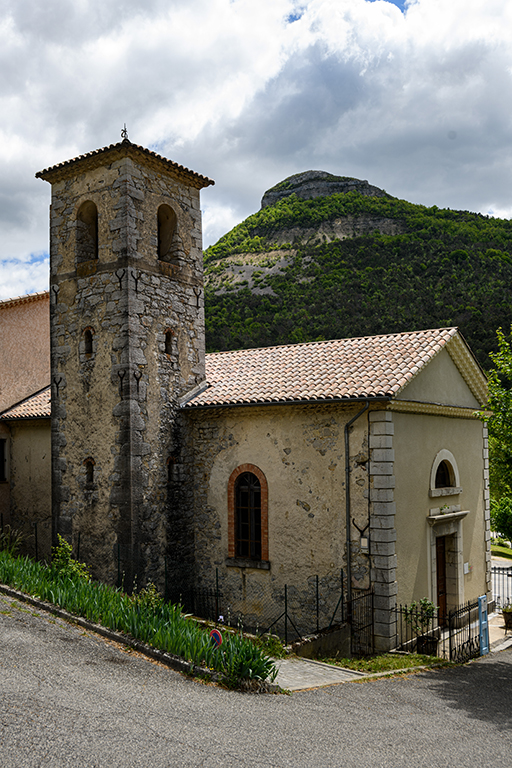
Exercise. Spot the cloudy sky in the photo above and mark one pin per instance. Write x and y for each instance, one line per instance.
(413, 96)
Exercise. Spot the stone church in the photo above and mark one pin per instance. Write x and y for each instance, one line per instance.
(357, 462)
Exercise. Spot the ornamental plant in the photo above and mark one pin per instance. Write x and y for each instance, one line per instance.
(419, 615)
(10, 540)
(63, 563)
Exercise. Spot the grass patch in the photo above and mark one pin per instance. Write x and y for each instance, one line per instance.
(501, 551)
(271, 645)
(386, 662)
(144, 616)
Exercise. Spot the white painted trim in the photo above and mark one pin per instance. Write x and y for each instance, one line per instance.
(445, 455)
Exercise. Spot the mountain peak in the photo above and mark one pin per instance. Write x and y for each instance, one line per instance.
(310, 184)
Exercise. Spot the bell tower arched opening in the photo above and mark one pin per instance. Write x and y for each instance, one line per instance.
(87, 232)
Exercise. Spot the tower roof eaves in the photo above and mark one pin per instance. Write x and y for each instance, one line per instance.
(123, 148)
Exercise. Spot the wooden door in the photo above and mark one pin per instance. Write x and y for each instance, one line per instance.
(441, 575)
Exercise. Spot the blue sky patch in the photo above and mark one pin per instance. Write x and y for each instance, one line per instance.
(399, 3)
(295, 16)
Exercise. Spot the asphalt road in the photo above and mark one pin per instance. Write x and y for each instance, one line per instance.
(69, 698)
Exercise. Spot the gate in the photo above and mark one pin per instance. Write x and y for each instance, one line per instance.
(464, 632)
(360, 616)
(455, 636)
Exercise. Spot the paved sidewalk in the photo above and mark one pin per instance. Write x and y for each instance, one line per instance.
(300, 674)
(499, 639)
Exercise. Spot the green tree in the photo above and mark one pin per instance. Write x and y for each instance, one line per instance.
(500, 420)
(500, 435)
(501, 516)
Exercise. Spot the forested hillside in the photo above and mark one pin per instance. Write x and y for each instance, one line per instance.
(353, 265)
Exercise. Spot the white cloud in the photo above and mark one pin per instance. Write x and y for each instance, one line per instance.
(415, 100)
(19, 277)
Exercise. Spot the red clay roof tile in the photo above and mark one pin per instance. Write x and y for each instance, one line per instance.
(34, 407)
(371, 366)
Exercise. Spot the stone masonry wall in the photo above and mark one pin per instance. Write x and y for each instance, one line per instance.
(116, 407)
(300, 451)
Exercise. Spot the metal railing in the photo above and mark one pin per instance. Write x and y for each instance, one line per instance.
(502, 585)
(454, 636)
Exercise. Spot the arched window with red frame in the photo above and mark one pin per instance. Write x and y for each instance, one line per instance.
(248, 514)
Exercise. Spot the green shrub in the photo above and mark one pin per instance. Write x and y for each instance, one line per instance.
(242, 659)
(63, 563)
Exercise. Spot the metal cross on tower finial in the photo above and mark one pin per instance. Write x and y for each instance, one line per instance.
(124, 133)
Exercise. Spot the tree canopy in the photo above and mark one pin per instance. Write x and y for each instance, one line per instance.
(500, 435)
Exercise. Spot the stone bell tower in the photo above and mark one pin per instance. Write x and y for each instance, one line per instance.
(127, 341)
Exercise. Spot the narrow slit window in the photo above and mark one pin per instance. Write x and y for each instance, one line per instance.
(88, 342)
(89, 471)
(168, 342)
(171, 461)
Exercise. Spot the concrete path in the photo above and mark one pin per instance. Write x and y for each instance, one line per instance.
(300, 674)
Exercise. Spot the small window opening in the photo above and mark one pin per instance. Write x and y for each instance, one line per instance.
(248, 516)
(171, 461)
(444, 476)
(3, 461)
(168, 342)
(168, 240)
(87, 232)
(88, 342)
(89, 471)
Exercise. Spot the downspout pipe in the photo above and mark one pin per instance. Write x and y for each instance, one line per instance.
(347, 506)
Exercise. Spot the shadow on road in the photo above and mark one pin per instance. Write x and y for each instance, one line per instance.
(482, 689)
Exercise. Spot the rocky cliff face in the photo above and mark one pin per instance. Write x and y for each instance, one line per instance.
(310, 184)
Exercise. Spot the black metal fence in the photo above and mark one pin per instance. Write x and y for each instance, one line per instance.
(290, 611)
(502, 585)
(454, 636)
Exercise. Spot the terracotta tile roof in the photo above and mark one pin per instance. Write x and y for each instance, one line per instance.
(34, 407)
(26, 299)
(371, 366)
(121, 149)
(366, 367)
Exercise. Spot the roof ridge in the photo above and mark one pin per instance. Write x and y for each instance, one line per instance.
(453, 328)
